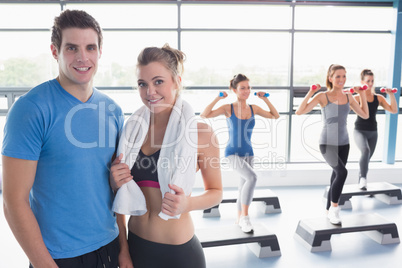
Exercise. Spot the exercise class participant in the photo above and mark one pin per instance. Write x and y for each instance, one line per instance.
(365, 132)
(239, 150)
(334, 139)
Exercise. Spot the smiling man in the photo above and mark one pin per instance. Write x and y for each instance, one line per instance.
(59, 140)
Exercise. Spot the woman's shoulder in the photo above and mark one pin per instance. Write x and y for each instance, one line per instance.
(205, 133)
(321, 98)
(228, 105)
(203, 127)
(207, 140)
(227, 109)
(379, 97)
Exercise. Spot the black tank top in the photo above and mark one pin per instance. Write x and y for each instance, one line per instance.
(144, 170)
(369, 124)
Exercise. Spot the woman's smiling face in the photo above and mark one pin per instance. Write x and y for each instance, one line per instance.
(338, 79)
(156, 86)
(243, 90)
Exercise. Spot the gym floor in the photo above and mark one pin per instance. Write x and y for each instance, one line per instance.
(348, 250)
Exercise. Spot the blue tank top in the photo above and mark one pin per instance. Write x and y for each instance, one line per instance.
(240, 131)
(334, 119)
(369, 124)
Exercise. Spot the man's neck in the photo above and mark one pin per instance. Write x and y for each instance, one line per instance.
(81, 92)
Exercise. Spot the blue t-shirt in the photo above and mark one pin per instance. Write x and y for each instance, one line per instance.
(240, 131)
(73, 143)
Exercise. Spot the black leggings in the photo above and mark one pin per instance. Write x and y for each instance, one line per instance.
(148, 254)
(366, 141)
(336, 157)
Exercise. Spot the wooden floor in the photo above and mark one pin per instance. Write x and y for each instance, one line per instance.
(348, 250)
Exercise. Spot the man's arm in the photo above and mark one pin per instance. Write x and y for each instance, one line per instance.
(18, 178)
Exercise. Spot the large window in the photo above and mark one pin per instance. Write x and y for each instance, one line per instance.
(128, 28)
(282, 46)
(120, 51)
(315, 52)
(343, 18)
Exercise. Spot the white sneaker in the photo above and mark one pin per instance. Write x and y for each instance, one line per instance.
(245, 224)
(333, 215)
(363, 183)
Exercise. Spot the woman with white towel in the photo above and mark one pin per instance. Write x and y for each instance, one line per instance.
(239, 150)
(161, 149)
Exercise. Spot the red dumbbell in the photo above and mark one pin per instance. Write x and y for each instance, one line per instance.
(314, 87)
(383, 89)
(350, 90)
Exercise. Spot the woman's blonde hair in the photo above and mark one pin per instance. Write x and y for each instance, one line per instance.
(171, 58)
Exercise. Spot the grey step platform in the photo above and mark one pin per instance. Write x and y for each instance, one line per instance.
(316, 233)
(262, 242)
(269, 202)
(383, 191)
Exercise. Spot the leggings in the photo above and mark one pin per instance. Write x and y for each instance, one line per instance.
(148, 254)
(336, 157)
(366, 142)
(243, 165)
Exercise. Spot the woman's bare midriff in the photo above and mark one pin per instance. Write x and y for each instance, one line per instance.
(153, 228)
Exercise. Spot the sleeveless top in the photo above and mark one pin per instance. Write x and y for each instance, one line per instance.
(144, 170)
(369, 124)
(240, 131)
(334, 118)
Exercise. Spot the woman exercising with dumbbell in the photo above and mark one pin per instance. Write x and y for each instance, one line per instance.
(365, 132)
(334, 140)
(239, 151)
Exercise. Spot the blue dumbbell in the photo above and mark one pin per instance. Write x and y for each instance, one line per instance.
(221, 94)
(265, 95)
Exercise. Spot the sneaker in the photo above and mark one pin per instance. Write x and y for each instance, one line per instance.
(245, 224)
(363, 183)
(333, 215)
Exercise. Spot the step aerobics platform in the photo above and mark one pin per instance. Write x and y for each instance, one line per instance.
(269, 202)
(383, 191)
(316, 233)
(261, 242)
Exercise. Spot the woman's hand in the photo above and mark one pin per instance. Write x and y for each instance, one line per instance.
(315, 87)
(359, 90)
(119, 173)
(389, 91)
(175, 204)
(222, 95)
(261, 94)
(125, 260)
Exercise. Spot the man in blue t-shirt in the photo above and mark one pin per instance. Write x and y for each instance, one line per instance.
(59, 140)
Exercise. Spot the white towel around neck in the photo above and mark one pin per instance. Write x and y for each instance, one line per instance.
(177, 160)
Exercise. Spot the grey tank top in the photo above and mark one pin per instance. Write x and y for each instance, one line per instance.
(334, 119)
